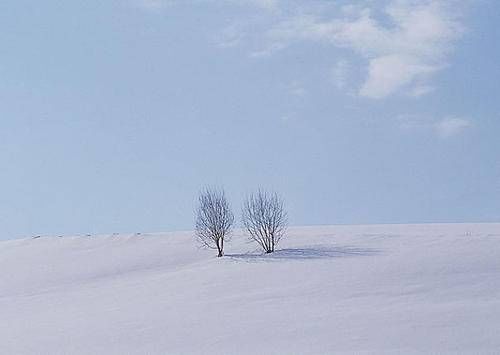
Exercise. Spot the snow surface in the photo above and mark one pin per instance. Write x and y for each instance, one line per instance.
(333, 289)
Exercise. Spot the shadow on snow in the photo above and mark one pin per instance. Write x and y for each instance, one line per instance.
(307, 253)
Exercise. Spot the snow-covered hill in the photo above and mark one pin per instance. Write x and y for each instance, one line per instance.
(339, 289)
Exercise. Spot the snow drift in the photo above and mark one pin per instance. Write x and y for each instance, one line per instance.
(351, 289)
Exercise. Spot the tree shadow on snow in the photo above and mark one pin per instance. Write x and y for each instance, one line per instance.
(307, 253)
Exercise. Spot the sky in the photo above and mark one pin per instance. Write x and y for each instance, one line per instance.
(114, 114)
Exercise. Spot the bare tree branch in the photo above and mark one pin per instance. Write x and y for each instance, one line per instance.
(265, 219)
(214, 219)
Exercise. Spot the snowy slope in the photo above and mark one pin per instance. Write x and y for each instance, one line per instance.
(339, 289)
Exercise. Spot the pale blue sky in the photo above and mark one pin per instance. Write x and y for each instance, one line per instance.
(115, 113)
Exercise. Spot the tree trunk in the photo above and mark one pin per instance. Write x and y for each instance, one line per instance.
(220, 247)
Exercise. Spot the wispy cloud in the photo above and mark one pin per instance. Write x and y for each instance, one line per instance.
(339, 73)
(151, 5)
(295, 88)
(403, 43)
(451, 126)
(265, 4)
(231, 36)
(421, 89)
(444, 128)
(270, 5)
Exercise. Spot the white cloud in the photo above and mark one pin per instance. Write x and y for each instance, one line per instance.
(387, 74)
(451, 126)
(402, 52)
(404, 43)
(446, 127)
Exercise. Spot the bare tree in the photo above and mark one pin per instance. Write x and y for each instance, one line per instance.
(214, 219)
(265, 218)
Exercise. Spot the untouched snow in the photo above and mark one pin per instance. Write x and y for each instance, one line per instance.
(339, 289)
